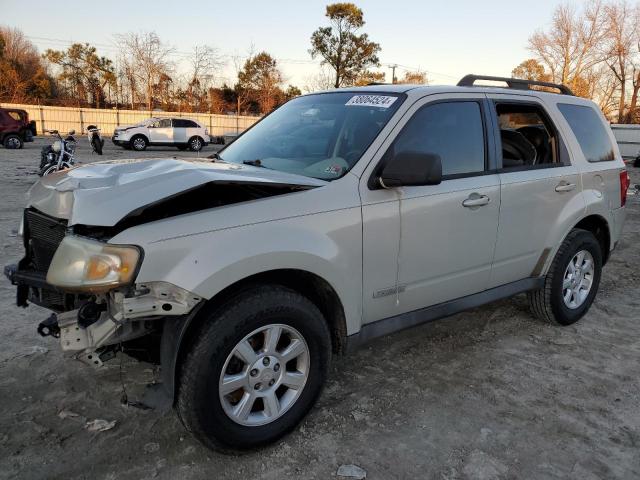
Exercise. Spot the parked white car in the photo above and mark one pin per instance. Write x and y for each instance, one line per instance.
(340, 217)
(182, 133)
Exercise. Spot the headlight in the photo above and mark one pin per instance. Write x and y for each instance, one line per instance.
(88, 265)
(56, 146)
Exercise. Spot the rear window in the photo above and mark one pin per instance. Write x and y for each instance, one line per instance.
(587, 126)
(180, 123)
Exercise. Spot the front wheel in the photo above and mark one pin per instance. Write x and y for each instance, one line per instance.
(572, 282)
(139, 143)
(255, 369)
(13, 141)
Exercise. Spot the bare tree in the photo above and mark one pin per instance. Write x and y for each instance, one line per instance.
(417, 77)
(146, 58)
(568, 49)
(621, 33)
(322, 80)
(204, 62)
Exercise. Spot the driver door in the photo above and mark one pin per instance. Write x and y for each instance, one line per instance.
(161, 131)
(425, 245)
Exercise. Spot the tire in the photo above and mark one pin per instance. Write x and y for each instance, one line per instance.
(196, 144)
(96, 144)
(200, 405)
(636, 162)
(13, 142)
(138, 143)
(549, 303)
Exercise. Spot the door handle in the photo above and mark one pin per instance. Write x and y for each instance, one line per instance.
(476, 200)
(565, 187)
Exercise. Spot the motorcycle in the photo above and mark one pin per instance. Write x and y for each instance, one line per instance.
(59, 155)
(95, 140)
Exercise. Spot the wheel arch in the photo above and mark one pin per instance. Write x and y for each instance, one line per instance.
(177, 335)
(146, 139)
(599, 227)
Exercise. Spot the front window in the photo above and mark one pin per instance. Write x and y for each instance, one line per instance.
(320, 136)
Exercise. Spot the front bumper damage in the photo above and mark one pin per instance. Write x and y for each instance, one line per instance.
(93, 332)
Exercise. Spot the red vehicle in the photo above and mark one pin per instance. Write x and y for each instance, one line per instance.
(15, 128)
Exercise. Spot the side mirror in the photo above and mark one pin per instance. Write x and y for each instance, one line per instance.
(411, 169)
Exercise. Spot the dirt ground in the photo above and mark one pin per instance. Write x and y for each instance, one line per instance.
(491, 393)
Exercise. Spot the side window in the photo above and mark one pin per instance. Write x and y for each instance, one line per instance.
(452, 130)
(528, 137)
(589, 131)
(15, 115)
(190, 124)
(165, 123)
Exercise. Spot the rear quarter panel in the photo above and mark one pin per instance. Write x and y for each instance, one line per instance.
(600, 181)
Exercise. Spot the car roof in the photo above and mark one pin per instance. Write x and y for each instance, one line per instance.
(421, 90)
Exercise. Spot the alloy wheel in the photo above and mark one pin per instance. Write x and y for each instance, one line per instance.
(13, 142)
(264, 375)
(578, 279)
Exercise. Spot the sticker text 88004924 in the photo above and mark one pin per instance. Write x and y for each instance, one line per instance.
(383, 101)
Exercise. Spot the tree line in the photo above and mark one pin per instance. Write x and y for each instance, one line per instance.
(593, 49)
(143, 75)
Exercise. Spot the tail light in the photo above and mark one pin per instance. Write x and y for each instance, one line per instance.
(625, 182)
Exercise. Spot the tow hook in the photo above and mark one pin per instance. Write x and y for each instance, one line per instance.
(49, 327)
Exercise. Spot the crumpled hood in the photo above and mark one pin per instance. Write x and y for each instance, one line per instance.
(103, 193)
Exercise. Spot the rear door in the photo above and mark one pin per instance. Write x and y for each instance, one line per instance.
(429, 244)
(161, 131)
(541, 191)
(180, 134)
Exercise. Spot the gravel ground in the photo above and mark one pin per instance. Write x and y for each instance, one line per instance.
(490, 393)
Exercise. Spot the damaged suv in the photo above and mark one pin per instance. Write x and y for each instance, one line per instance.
(340, 217)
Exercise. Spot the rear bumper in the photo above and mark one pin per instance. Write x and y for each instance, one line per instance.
(619, 215)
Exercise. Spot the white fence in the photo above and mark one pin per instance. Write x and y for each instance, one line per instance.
(65, 119)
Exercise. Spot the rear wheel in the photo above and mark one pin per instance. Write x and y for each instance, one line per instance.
(195, 144)
(138, 143)
(13, 141)
(255, 369)
(572, 282)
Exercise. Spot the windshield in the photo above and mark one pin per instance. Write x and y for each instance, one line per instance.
(320, 136)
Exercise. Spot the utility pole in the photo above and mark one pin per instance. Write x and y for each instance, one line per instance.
(393, 72)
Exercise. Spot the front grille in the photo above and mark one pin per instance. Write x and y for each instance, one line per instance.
(43, 234)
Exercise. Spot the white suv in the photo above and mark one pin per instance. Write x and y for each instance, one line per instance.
(340, 217)
(168, 132)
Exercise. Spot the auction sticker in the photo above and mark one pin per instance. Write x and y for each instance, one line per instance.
(384, 101)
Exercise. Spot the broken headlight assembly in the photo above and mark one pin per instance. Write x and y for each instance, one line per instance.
(82, 264)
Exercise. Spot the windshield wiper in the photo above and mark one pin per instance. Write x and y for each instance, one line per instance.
(254, 163)
(214, 156)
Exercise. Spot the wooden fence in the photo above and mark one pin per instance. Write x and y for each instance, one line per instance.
(65, 119)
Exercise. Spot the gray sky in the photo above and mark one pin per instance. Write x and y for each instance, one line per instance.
(446, 39)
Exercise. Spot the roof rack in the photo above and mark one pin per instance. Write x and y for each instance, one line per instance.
(515, 83)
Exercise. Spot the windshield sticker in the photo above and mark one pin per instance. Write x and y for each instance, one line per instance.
(383, 101)
(333, 169)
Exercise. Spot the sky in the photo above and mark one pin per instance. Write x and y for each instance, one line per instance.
(447, 39)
